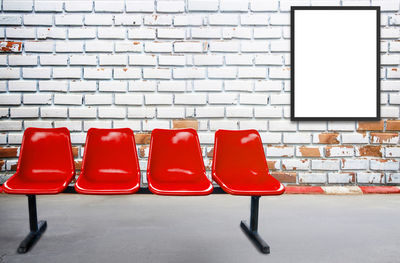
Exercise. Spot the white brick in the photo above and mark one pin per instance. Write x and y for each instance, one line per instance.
(297, 137)
(117, 113)
(133, 125)
(99, 46)
(141, 33)
(394, 99)
(210, 112)
(222, 98)
(81, 6)
(128, 46)
(127, 73)
(390, 59)
(156, 73)
(286, 4)
(43, 46)
(83, 60)
(36, 73)
(98, 20)
(20, 85)
(252, 72)
(70, 125)
(189, 73)
(238, 85)
(223, 19)
(128, 99)
(21, 5)
(295, 164)
(253, 99)
(82, 113)
(98, 99)
(140, 85)
(170, 112)
(390, 32)
(139, 6)
(113, 60)
(370, 178)
(239, 59)
(158, 20)
(207, 85)
(387, 5)
(128, 20)
(70, 46)
(261, 5)
(151, 125)
(354, 138)
(237, 32)
(170, 6)
(86, 32)
(188, 20)
(53, 85)
(111, 33)
(10, 20)
(158, 47)
(258, 125)
(48, 6)
(68, 99)
(341, 126)
(223, 124)
(55, 60)
(113, 86)
(312, 178)
(109, 6)
(37, 98)
(141, 112)
(206, 32)
(79, 86)
(282, 125)
(388, 164)
(67, 73)
(389, 112)
(10, 125)
(9, 73)
(203, 5)
(268, 112)
(22, 60)
(173, 60)
(354, 164)
(154, 99)
(279, 151)
(280, 46)
(143, 60)
(172, 85)
(279, 73)
(97, 73)
(24, 112)
(10, 99)
(392, 152)
(254, 20)
(171, 33)
(20, 33)
(267, 32)
(339, 151)
(191, 99)
(96, 124)
(222, 73)
(239, 112)
(255, 46)
(233, 5)
(267, 85)
(68, 20)
(279, 99)
(15, 138)
(189, 46)
(51, 33)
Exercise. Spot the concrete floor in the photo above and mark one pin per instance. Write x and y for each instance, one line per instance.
(149, 228)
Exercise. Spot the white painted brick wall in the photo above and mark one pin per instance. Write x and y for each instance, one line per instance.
(225, 63)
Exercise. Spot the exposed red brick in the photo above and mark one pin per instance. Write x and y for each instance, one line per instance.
(383, 137)
(393, 125)
(78, 165)
(142, 151)
(285, 177)
(13, 167)
(328, 138)
(142, 138)
(370, 150)
(10, 46)
(2, 162)
(309, 151)
(75, 151)
(8, 151)
(271, 164)
(179, 124)
(210, 152)
(370, 125)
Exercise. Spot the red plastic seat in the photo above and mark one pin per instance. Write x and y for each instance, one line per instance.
(240, 166)
(45, 165)
(175, 165)
(110, 163)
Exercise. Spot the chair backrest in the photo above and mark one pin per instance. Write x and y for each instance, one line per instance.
(110, 151)
(238, 151)
(175, 151)
(46, 150)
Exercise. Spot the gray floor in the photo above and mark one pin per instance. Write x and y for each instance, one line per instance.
(149, 228)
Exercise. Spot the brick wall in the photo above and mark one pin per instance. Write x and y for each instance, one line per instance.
(206, 64)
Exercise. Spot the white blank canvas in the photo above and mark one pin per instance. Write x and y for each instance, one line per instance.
(335, 62)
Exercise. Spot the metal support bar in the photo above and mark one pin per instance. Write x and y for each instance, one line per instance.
(252, 230)
(36, 229)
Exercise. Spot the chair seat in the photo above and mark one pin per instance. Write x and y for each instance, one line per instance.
(106, 184)
(44, 183)
(172, 183)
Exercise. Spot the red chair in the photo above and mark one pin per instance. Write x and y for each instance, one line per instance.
(175, 165)
(45, 166)
(110, 163)
(240, 168)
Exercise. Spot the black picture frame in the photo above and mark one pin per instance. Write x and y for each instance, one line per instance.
(293, 116)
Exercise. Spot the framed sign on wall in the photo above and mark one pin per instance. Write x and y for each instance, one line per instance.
(335, 63)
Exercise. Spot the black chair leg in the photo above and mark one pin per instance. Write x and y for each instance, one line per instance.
(252, 230)
(36, 229)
